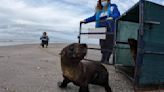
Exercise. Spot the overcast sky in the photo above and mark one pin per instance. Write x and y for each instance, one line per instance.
(60, 15)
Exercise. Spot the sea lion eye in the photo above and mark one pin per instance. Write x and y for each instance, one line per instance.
(71, 48)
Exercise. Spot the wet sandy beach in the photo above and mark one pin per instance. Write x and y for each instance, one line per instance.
(30, 68)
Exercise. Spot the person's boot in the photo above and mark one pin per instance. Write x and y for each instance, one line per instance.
(108, 56)
(42, 45)
(46, 44)
(104, 58)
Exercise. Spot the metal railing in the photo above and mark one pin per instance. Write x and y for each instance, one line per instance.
(93, 33)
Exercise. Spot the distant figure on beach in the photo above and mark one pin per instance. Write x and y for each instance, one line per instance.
(44, 39)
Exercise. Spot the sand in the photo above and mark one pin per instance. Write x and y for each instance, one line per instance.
(30, 68)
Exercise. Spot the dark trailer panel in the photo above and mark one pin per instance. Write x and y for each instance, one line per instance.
(145, 23)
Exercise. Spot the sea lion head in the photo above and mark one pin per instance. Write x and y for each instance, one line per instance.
(133, 47)
(74, 51)
(132, 42)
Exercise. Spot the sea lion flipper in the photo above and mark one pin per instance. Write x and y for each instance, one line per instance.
(64, 83)
(84, 89)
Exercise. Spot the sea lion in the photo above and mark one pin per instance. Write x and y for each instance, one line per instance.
(133, 48)
(81, 73)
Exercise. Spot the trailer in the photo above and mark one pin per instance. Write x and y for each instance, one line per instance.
(145, 23)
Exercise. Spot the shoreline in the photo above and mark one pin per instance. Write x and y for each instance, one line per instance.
(3, 44)
(21, 43)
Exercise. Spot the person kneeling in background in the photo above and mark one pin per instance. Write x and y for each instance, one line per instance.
(45, 39)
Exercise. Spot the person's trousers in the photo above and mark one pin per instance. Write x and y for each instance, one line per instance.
(106, 48)
(44, 43)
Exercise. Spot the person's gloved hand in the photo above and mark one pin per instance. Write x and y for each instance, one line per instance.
(109, 18)
(82, 21)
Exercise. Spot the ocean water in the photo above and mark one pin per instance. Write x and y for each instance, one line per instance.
(26, 36)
